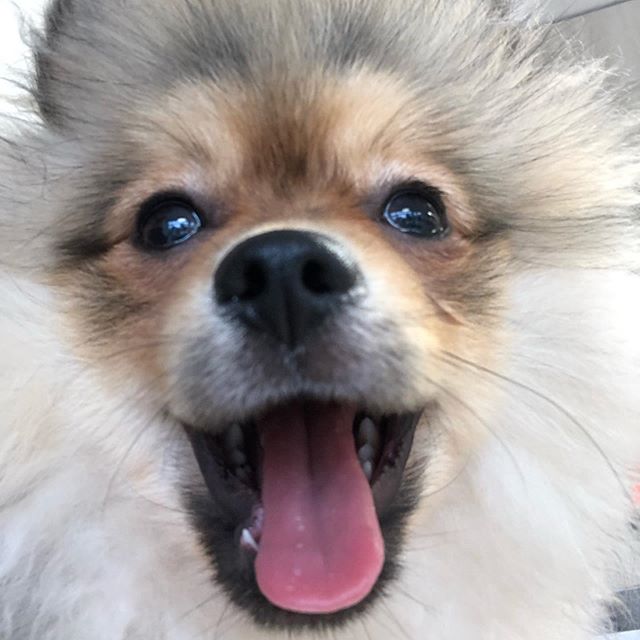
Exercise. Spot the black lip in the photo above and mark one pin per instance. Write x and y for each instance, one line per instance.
(228, 506)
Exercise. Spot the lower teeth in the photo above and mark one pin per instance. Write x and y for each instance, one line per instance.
(248, 541)
(366, 453)
(368, 442)
(368, 433)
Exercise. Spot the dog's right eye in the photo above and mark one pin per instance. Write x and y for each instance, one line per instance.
(417, 210)
(167, 223)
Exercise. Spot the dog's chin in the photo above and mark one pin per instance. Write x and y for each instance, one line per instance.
(304, 508)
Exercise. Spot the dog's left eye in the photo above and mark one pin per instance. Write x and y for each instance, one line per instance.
(417, 211)
(168, 223)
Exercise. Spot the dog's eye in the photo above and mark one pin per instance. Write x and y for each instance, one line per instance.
(417, 211)
(168, 223)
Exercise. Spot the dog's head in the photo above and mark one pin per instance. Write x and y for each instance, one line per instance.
(289, 227)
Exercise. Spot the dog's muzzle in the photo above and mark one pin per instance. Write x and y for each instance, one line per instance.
(303, 486)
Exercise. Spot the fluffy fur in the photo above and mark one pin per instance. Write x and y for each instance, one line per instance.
(524, 521)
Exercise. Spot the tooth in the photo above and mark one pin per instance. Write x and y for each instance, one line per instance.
(247, 540)
(367, 467)
(234, 438)
(366, 453)
(368, 433)
(237, 458)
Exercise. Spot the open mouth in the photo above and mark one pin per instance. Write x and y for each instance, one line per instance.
(307, 485)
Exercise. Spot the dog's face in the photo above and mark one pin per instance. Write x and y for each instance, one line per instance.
(290, 246)
(289, 277)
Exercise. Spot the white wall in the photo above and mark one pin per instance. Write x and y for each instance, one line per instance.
(612, 32)
(568, 8)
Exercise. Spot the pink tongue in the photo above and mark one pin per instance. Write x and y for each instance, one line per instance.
(321, 548)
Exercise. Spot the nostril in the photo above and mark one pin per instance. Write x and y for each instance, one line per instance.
(256, 280)
(241, 281)
(327, 276)
(315, 278)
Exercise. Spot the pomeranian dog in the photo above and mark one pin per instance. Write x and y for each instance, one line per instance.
(318, 317)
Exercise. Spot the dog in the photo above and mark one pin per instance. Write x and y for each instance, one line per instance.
(319, 318)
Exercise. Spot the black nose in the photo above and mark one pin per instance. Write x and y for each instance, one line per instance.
(284, 283)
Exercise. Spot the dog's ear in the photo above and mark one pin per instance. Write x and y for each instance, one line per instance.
(95, 59)
(59, 25)
(85, 58)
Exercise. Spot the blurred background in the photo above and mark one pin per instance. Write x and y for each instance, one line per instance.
(12, 48)
(608, 28)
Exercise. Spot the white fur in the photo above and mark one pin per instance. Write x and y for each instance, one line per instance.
(519, 545)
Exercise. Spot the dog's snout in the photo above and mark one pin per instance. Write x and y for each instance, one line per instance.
(284, 283)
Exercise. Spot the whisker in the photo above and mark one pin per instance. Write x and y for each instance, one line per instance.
(196, 608)
(486, 426)
(551, 402)
(394, 618)
(411, 597)
(148, 425)
(365, 628)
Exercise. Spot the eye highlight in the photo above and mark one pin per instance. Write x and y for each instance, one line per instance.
(417, 210)
(167, 222)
